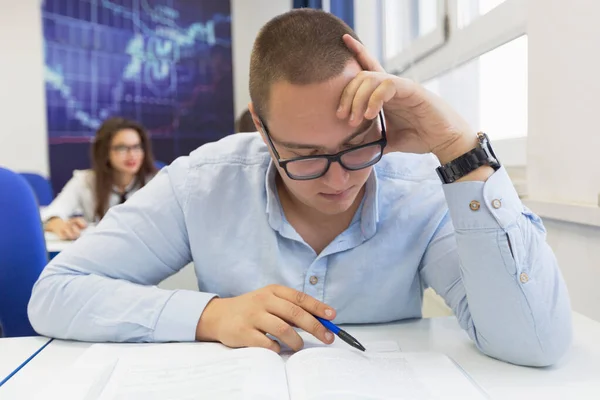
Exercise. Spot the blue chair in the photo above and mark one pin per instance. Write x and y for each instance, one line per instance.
(159, 164)
(22, 252)
(41, 186)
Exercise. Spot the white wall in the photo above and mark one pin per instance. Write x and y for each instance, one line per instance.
(564, 138)
(23, 137)
(248, 17)
(564, 102)
(367, 24)
(577, 248)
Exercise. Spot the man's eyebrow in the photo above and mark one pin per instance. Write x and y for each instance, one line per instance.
(363, 128)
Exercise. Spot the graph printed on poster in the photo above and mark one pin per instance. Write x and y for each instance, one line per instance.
(164, 63)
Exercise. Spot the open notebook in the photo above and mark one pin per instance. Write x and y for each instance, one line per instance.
(184, 371)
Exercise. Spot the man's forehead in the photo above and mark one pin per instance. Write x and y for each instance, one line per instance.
(295, 138)
(304, 99)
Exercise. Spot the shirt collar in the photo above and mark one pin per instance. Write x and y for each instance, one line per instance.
(132, 185)
(368, 212)
(273, 209)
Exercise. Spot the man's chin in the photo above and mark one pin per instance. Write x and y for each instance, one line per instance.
(334, 208)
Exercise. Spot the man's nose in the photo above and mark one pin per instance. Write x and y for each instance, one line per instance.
(337, 176)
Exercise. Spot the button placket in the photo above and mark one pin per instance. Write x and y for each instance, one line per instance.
(314, 280)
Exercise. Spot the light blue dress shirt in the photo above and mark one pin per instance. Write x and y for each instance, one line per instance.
(219, 208)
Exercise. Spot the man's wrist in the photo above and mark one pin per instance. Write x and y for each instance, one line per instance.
(457, 149)
(206, 327)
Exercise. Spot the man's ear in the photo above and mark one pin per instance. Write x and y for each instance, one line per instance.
(256, 121)
(255, 118)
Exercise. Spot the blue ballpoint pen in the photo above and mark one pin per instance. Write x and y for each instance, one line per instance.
(342, 334)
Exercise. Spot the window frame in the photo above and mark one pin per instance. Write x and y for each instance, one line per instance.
(421, 46)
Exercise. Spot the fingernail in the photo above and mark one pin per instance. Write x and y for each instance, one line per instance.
(339, 110)
(328, 336)
(329, 312)
(352, 117)
(367, 112)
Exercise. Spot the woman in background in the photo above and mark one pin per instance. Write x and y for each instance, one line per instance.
(122, 163)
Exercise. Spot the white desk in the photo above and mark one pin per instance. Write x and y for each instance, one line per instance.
(54, 244)
(14, 351)
(576, 377)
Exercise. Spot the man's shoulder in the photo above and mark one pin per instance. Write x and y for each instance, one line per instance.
(238, 149)
(408, 167)
(410, 190)
(239, 159)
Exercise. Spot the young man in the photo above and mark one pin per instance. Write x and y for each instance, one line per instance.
(307, 218)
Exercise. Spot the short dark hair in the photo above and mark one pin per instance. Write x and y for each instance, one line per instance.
(302, 46)
(245, 123)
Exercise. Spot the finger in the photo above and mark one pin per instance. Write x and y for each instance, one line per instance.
(79, 222)
(259, 339)
(348, 94)
(298, 316)
(277, 327)
(305, 301)
(65, 233)
(362, 98)
(62, 233)
(381, 95)
(69, 232)
(366, 61)
(75, 231)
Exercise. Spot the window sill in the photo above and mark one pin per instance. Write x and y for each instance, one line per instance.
(574, 213)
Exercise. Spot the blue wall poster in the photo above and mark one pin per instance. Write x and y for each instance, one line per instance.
(164, 63)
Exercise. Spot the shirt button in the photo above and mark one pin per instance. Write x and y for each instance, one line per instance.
(496, 204)
(474, 205)
(313, 280)
(524, 278)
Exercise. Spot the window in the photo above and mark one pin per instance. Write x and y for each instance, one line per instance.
(470, 10)
(479, 88)
(471, 52)
(412, 29)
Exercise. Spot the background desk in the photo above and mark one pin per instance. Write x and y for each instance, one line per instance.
(577, 376)
(14, 351)
(54, 244)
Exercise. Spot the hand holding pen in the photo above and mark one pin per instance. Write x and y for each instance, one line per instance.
(245, 320)
(342, 334)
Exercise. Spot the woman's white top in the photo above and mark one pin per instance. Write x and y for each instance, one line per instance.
(78, 198)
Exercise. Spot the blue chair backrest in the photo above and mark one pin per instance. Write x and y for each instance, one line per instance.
(22, 252)
(159, 164)
(41, 186)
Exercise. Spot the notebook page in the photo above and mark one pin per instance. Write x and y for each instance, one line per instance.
(374, 346)
(327, 374)
(237, 374)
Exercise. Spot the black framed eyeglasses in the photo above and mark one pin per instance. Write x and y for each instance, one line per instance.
(312, 167)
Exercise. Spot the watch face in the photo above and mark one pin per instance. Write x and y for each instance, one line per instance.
(484, 142)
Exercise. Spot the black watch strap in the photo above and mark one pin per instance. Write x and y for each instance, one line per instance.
(470, 161)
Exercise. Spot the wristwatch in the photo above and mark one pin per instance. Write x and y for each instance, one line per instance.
(481, 155)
